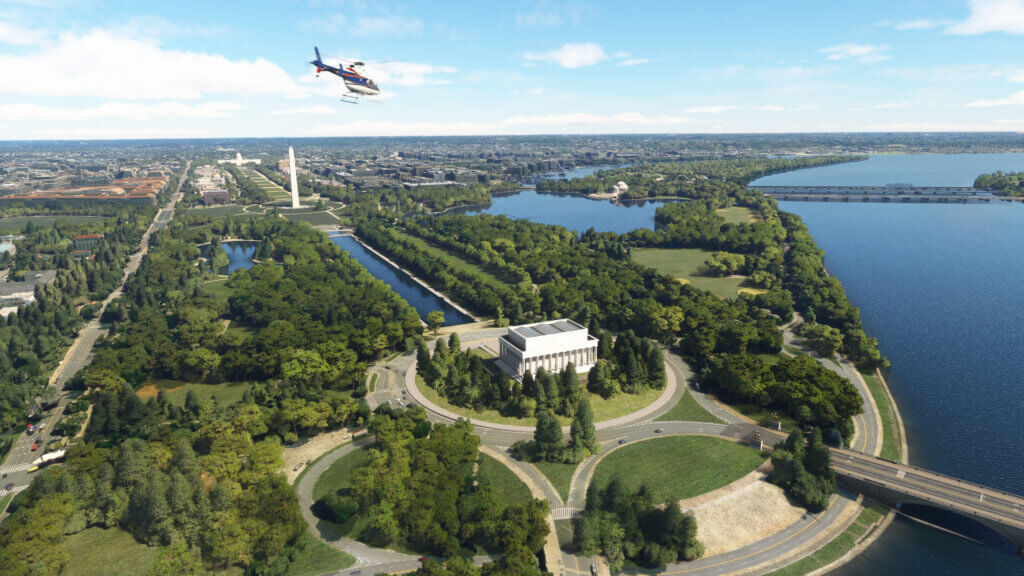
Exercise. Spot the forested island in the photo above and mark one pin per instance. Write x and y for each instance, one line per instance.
(1002, 183)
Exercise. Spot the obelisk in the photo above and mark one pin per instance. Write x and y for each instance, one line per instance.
(295, 181)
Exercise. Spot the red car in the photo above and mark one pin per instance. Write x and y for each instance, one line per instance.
(35, 447)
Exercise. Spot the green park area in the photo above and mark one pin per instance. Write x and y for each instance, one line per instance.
(678, 467)
(559, 474)
(890, 434)
(838, 547)
(687, 265)
(310, 216)
(687, 410)
(277, 193)
(739, 215)
(457, 262)
(506, 486)
(604, 409)
(226, 394)
(16, 224)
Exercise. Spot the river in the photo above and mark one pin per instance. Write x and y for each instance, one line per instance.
(942, 288)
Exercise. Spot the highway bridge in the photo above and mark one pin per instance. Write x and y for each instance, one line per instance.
(895, 484)
(889, 193)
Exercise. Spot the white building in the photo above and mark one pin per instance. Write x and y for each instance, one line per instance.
(550, 345)
(239, 161)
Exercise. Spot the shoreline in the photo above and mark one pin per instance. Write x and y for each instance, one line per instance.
(426, 286)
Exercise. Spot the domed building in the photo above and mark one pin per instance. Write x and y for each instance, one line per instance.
(620, 187)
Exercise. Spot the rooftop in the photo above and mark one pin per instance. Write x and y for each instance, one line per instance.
(546, 328)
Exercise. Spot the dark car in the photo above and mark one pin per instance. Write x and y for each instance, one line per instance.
(9, 486)
(658, 430)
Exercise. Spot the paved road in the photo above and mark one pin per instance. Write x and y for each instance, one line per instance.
(15, 468)
(397, 384)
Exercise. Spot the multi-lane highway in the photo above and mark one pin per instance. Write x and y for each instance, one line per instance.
(15, 468)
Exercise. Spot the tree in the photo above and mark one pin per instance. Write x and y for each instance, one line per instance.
(582, 435)
(435, 320)
(548, 436)
(30, 540)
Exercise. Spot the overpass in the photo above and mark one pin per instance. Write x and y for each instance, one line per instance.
(894, 484)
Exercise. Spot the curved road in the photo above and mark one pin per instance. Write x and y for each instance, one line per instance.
(397, 385)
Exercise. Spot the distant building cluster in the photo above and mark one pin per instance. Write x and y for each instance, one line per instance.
(130, 190)
(20, 293)
(239, 161)
(210, 184)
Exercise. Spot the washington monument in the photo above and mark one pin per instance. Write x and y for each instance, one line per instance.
(295, 181)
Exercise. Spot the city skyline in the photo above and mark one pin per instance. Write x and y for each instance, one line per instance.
(96, 70)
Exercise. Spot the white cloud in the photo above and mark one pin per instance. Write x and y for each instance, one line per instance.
(992, 16)
(310, 110)
(1017, 76)
(390, 128)
(922, 24)
(368, 26)
(545, 14)
(593, 120)
(108, 65)
(1015, 99)
(852, 50)
(396, 73)
(136, 111)
(571, 55)
(16, 34)
(779, 108)
(712, 109)
(634, 61)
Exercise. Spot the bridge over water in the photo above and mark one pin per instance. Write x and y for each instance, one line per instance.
(887, 193)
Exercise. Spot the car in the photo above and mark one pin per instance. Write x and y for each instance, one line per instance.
(593, 569)
(33, 469)
(35, 447)
(622, 441)
(422, 558)
(31, 428)
(9, 486)
(658, 430)
(42, 425)
(297, 466)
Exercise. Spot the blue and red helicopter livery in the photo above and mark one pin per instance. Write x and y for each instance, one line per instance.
(356, 83)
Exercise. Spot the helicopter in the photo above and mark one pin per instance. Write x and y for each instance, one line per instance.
(355, 82)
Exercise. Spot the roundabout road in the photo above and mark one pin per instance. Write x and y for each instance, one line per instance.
(397, 384)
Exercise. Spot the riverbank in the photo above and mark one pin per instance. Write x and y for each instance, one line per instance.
(414, 278)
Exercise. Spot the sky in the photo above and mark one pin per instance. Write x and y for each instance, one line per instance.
(94, 69)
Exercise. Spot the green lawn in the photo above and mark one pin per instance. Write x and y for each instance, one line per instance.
(560, 476)
(317, 557)
(216, 212)
(507, 488)
(217, 289)
(765, 416)
(226, 394)
(372, 384)
(314, 218)
(890, 444)
(678, 467)
(457, 262)
(618, 405)
(838, 547)
(687, 410)
(16, 224)
(98, 552)
(340, 474)
(687, 265)
(739, 215)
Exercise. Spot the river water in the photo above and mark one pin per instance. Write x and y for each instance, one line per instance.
(942, 288)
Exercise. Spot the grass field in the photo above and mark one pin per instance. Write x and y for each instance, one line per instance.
(317, 557)
(678, 467)
(507, 488)
(98, 552)
(226, 394)
(16, 224)
(314, 218)
(687, 264)
(739, 215)
(277, 193)
(838, 547)
(340, 474)
(560, 476)
(216, 211)
(618, 405)
(687, 410)
(457, 262)
(217, 289)
(765, 416)
(890, 443)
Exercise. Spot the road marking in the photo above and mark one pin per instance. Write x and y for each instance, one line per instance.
(14, 468)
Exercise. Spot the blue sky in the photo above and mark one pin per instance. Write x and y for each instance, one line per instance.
(80, 69)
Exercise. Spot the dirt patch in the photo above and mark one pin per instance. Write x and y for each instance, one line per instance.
(750, 513)
(296, 457)
(152, 390)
